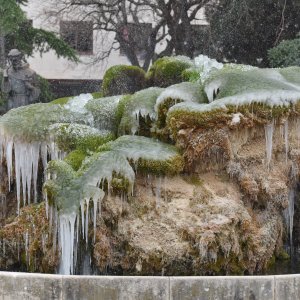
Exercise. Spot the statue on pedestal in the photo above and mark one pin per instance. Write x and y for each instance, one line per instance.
(19, 84)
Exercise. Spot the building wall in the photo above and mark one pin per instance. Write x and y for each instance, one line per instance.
(50, 67)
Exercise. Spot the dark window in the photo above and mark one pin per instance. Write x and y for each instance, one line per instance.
(137, 35)
(78, 34)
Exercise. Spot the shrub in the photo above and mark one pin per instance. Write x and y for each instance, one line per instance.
(122, 79)
(167, 71)
(286, 54)
(46, 94)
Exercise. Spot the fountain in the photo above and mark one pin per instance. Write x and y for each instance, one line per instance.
(191, 179)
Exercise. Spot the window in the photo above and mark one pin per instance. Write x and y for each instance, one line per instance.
(78, 34)
(137, 35)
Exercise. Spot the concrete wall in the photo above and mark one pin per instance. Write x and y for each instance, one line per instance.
(23, 286)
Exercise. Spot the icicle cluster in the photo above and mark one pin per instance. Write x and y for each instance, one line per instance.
(22, 159)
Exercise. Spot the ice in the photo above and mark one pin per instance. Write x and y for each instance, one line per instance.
(184, 91)
(67, 236)
(103, 111)
(206, 65)
(269, 128)
(286, 139)
(139, 105)
(289, 215)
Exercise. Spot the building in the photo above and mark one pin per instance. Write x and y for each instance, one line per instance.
(79, 32)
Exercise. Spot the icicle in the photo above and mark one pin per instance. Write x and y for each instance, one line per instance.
(95, 202)
(67, 230)
(158, 191)
(286, 139)
(46, 204)
(9, 153)
(269, 128)
(26, 238)
(289, 215)
(87, 201)
(55, 216)
(82, 216)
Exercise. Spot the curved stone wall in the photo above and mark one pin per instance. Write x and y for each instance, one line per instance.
(21, 286)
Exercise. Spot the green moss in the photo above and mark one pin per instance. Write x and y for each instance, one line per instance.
(69, 137)
(221, 116)
(193, 179)
(191, 75)
(123, 79)
(283, 255)
(138, 112)
(75, 159)
(32, 122)
(104, 111)
(97, 95)
(167, 71)
(148, 155)
(61, 101)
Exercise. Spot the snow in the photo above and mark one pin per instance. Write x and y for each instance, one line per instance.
(236, 119)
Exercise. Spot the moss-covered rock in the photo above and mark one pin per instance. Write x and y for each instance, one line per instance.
(104, 112)
(123, 79)
(137, 112)
(168, 70)
(69, 137)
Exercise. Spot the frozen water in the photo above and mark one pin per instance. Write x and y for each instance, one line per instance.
(269, 128)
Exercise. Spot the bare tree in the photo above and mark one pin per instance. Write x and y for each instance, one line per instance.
(171, 22)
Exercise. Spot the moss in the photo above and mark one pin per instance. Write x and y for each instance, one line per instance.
(224, 266)
(271, 262)
(167, 71)
(61, 101)
(97, 95)
(193, 179)
(191, 75)
(138, 112)
(104, 111)
(283, 255)
(69, 137)
(148, 155)
(121, 108)
(75, 159)
(123, 79)
(219, 117)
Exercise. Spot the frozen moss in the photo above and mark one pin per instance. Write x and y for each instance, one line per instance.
(148, 154)
(181, 92)
(259, 94)
(69, 137)
(123, 79)
(32, 122)
(61, 101)
(167, 70)
(138, 110)
(75, 159)
(104, 112)
(191, 75)
(252, 84)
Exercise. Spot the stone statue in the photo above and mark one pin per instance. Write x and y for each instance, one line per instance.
(19, 84)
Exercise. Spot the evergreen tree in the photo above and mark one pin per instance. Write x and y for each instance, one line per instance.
(16, 32)
(243, 31)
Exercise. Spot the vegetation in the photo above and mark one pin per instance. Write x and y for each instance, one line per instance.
(286, 54)
(16, 32)
(244, 31)
(122, 79)
(167, 71)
